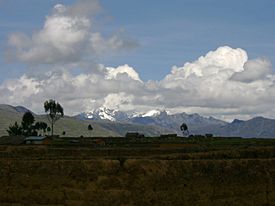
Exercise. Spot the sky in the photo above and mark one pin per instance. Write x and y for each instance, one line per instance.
(197, 56)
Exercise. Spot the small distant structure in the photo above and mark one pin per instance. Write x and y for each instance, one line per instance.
(134, 135)
(37, 140)
(209, 135)
(74, 141)
(99, 142)
(167, 136)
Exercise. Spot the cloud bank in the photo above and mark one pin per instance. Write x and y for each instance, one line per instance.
(68, 35)
(223, 83)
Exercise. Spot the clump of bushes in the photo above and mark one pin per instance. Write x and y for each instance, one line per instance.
(28, 127)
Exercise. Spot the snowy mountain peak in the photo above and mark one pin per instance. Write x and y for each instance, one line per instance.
(104, 113)
(151, 113)
(156, 117)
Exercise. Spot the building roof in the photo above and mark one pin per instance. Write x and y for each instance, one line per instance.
(35, 138)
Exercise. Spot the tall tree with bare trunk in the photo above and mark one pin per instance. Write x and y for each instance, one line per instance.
(54, 111)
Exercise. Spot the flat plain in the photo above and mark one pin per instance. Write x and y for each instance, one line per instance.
(145, 171)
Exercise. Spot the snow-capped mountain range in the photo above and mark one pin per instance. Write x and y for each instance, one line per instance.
(104, 113)
(152, 123)
(197, 124)
(160, 118)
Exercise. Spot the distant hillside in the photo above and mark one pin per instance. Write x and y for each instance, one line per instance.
(122, 128)
(256, 127)
(114, 123)
(8, 115)
(197, 124)
(77, 127)
(72, 126)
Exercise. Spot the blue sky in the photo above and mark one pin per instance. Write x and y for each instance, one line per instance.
(178, 31)
(76, 52)
(168, 33)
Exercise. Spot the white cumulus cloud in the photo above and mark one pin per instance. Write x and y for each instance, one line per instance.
(114, 73)
(68, 35)
(223, 83)
(253, 70)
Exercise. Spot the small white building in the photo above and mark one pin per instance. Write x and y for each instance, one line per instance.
(37, 140)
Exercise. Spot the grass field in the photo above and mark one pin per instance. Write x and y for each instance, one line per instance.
(146, 171)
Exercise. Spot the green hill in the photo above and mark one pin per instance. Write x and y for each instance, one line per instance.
(75, 127)
(123, 128)
(72, 127)
(8, 115)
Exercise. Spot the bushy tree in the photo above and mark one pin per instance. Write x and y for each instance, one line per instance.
(41, 126)
(48, 130)
(15, 130)
(27, 126)
(54, 111)
(27, 123)
(184, 129)
(90, 128)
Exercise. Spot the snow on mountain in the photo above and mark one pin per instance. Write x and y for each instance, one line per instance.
(196, 123)
(156, 122)
(103, 113)
(151, 113)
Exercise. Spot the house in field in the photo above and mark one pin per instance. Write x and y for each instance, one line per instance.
(37, 140)
(134, 135)
(99, 142)
(168, 136)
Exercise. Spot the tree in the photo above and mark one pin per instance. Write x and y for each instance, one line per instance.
(27, 123)
(27, 127)
(90, 128)
(48, 130)
(15, 130)
(54, 112)
(37, 126)
(27, 119)
(184, 129)
(41, 126)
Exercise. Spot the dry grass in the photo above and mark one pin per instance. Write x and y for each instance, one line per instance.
(45, 175)
(138, 182)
